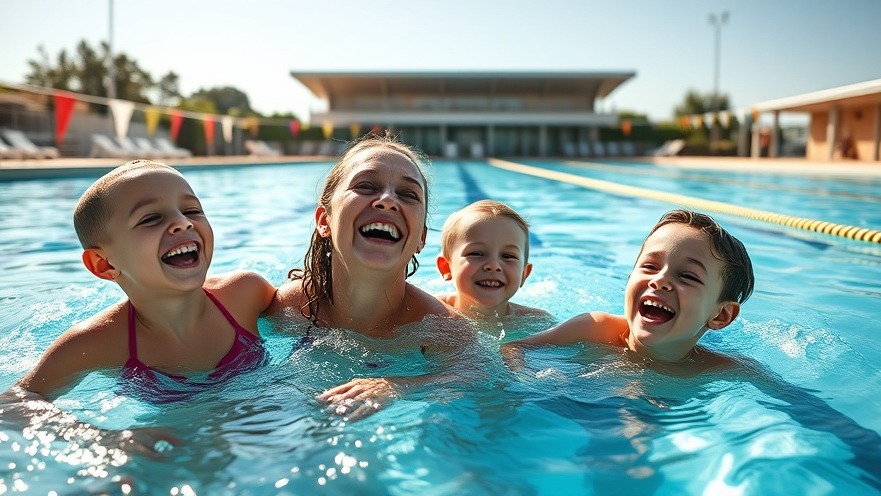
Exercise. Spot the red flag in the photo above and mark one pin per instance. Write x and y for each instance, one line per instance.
(209, 130)
(63, 111)
(176, 120)
(626, 126)
(295, 128)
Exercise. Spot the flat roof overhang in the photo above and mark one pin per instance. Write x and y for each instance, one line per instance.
(330, 85)
(853, 95)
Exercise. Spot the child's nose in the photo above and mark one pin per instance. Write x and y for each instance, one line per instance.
(181, 223)
(492, 266)
(660, 281)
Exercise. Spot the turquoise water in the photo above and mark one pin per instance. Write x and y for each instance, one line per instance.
(800, 417)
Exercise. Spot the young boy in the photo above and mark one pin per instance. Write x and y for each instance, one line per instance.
(485, 252)
(142, 227)
(690, 276)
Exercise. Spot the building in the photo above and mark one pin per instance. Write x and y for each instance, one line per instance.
(475, 114)
(845, 122)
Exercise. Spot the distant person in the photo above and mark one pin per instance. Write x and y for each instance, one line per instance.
(691, 276)
(847, 148)
(485, 253)
(370, 222)
(178, 330)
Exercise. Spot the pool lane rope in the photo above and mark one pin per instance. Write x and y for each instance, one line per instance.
(843, 231)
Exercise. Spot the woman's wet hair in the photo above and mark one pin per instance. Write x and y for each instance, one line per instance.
(316, 274)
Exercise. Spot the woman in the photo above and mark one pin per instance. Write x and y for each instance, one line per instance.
(370, 222)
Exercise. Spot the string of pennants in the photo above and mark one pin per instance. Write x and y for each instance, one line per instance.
(122, 111)
(710, 119)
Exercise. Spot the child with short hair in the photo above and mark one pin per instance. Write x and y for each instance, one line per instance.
(690, 276)
(485, 253)
(142, 227)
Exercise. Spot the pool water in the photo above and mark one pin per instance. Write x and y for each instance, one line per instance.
(799, 417)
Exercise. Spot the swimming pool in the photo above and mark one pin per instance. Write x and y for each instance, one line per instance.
(580, 420)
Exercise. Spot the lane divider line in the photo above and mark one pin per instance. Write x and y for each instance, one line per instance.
(844, 231)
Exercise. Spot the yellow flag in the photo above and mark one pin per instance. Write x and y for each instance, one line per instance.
(151, 114)
(328, 129)
(355, 129)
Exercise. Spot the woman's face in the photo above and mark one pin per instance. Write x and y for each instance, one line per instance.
(376, 215)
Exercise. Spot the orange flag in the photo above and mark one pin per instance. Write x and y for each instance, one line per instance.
(63, 111)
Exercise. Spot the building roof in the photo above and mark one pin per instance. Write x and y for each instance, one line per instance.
(852, 95)
(330, 85)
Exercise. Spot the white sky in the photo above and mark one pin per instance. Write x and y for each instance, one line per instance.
(769, 49)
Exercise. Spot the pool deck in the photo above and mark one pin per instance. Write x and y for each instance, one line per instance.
(72, 167)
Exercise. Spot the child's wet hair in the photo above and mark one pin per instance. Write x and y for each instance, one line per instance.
(317, 271)
(737, 275)
(94, 208)
(483, 208)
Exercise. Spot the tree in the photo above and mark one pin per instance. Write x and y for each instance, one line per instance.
(227, 100)
(697, 103)
(86, 72)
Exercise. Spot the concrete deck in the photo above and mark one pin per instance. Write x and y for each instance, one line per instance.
(74, 167)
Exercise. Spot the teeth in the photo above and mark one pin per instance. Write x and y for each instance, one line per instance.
(378, 226)
(181, 249)
(492, 284)
(657, 304)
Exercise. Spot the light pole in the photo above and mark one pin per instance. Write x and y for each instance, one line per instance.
(717, 23)
(111, 70)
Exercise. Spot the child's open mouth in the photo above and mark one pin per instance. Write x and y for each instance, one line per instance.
(490, 283)
(655, 312)
(185, 255)
(379, 230)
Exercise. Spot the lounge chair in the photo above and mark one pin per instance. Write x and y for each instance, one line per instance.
(144, 145)
(7, 151)
(260, 149)
(104, 147)
(598, 149)
(670, 148)
(20, 141)
(134, 150)
(613, 149)
(627, 149)
(167, 147)
(583, 149)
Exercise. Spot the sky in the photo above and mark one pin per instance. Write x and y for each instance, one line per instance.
(768, 48)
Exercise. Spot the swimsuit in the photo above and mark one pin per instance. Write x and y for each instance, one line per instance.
(247, 353)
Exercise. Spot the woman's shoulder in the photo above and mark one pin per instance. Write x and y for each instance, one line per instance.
(289, 295)
(422, 304)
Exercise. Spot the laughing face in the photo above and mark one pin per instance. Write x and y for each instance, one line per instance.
(671, 298)
(376, 215)
(158, 235)
(486, 263)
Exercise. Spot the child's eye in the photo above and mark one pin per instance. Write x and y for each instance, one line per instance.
(649, 267)
(194, 211)
(474, 254)
(691, 277)
(149, 219)
(510, 256)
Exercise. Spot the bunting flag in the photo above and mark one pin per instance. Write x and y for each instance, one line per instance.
(63, 111)
(696, 121)
(295, 128)
(725, 119)
(327, 128)
(710, 119)
(755, 114)
(208, 122)
(254, 126)
(684, 122)
(355, 129)
(122, 116)
(176, 120)
(226, 123)
(151, 115)
(626, 127)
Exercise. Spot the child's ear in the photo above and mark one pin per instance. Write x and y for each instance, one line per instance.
(321, 222)
(527, 269)
(422, 240)
(443, 265)
(727, 313)
(93, 259)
